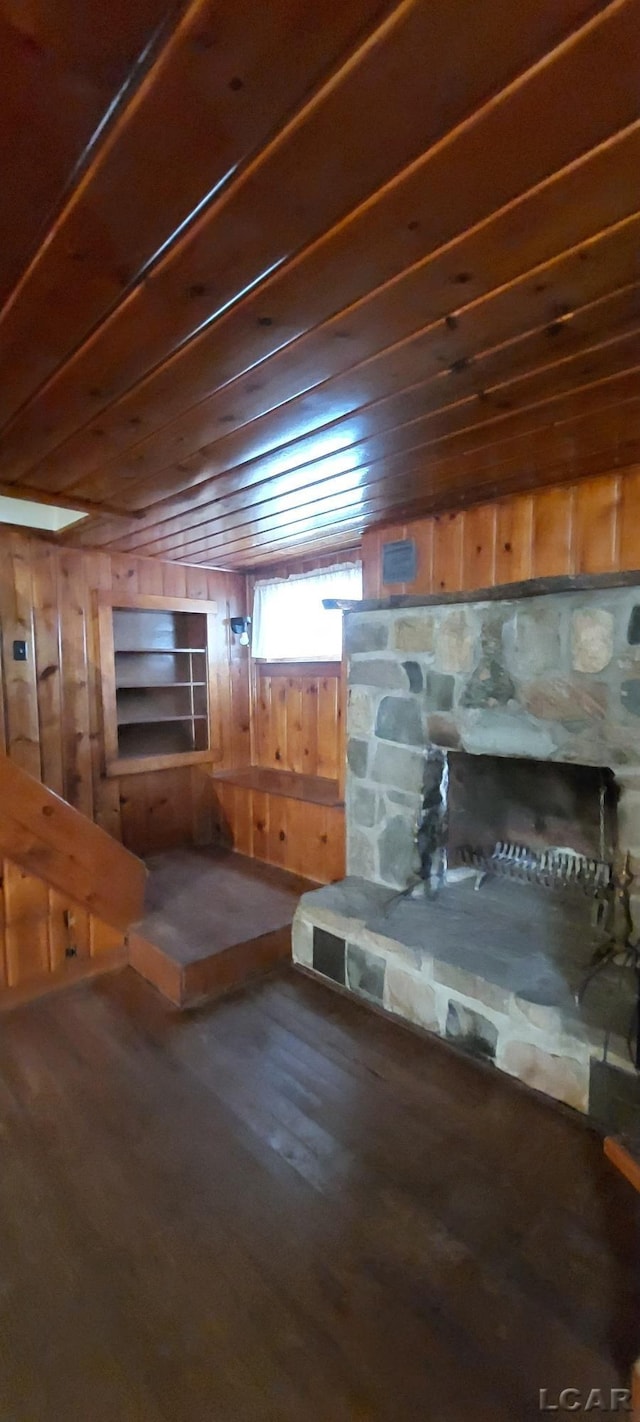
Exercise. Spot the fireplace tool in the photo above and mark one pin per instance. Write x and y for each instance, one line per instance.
(613, 917)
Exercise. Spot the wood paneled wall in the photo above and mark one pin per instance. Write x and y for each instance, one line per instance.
(292, 834)
(592, 526)
(297, 715)
(51, 715)
(297, 719)
(45, 938)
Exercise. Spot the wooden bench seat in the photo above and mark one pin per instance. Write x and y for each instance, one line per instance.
(315, 789)
(293, 821)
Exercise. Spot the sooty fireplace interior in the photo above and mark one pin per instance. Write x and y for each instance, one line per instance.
(549, 823)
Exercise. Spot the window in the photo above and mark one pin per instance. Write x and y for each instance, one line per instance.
(289, 621)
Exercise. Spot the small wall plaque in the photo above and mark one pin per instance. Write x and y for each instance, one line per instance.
(399, 561)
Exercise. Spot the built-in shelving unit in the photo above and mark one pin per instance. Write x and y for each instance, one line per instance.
(161, 686)
(156, 685)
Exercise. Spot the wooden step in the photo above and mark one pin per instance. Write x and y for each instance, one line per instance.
(214, 920)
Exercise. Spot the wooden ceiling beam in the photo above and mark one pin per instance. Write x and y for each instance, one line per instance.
(526, 120)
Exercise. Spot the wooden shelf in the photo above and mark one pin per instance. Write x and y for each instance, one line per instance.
(187, 718)
(315, 789)
(160, 687)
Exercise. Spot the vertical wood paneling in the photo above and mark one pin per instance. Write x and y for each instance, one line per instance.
(48, 656)
(553, 529)
(298, 723)
(53, 701)
(303, 838)
(76, 718)
(328, 727)
(310, 725)
(596, 525)
(479, 547)
(447, 552)
(295, 740)
(592, 526)
(514, 539)
(45, 936)
(629, 521)
(20, 687)
(26, 926)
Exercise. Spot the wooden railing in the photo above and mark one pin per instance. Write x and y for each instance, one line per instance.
(55, 843)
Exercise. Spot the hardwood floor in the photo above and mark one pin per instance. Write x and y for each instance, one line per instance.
(283, 1207)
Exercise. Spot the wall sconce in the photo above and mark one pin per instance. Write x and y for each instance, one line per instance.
(240, 628)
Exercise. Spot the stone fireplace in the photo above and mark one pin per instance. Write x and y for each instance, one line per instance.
(501, 735)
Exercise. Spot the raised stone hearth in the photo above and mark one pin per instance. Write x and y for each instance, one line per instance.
(494, 972)
(441, 698)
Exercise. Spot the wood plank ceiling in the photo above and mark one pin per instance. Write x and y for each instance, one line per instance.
(275, 272)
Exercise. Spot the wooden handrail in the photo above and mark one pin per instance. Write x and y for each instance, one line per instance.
(52, 840)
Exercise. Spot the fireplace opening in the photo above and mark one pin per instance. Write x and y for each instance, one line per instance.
(545, 821)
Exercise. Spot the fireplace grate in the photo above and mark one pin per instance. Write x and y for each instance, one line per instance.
(552, 868)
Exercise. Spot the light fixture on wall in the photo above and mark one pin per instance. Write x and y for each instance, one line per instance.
(240, 628)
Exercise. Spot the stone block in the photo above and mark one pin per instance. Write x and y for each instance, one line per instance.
(357, 756)
(564, 1078)
(397, 767)
(362, 806)
(361, 858)
(443, 731)
(471, 1031)
(364, 632)
(399, 719)
(490, 685)
(558, 699)
(302, 940)
(630, 695)
(455, 642)
(531, 641)
(440, 691)
(414, 634)
(633, 629)
(495, 733)
(416, 959)
(397, 851)
(360, 711)
(407, 799)
(378, 671)
(591, 639)
(471, 985)
(365, 973)
(414, 675)
(411, 996)
(329, 955)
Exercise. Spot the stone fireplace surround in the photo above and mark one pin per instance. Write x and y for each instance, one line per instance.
(553, 677)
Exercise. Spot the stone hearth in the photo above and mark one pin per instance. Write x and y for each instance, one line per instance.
(553, 678)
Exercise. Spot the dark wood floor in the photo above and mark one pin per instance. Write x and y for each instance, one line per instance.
(284, 1207)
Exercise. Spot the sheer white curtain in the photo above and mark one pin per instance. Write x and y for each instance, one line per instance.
(289, 621)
